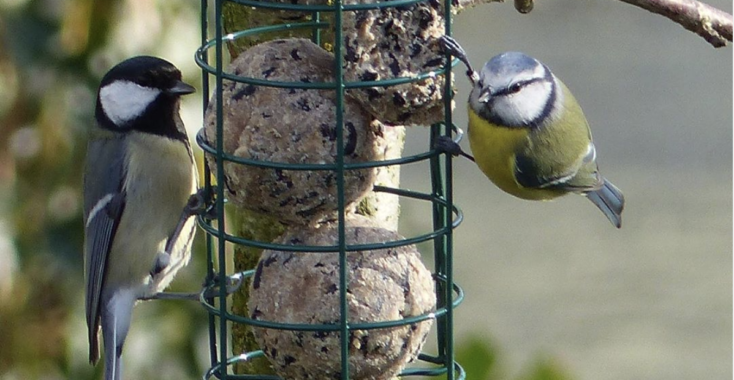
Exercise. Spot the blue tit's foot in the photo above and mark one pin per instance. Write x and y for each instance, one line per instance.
(234, 283)
(446, 145)
(450, 46)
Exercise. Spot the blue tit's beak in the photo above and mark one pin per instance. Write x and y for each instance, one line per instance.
(485, 94)
(181, 88)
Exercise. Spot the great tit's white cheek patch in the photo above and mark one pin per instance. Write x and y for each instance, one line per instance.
(123, 101)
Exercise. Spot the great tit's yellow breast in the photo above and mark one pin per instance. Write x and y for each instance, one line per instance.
(160, 178)
(494, 148)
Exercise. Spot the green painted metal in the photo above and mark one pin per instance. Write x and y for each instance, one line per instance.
(446, 215)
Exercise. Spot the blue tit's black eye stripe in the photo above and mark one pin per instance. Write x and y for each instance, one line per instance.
(516, 87)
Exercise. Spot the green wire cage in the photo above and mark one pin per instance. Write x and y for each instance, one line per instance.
(446, 216)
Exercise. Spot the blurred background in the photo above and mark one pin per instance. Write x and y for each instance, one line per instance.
(553, 291)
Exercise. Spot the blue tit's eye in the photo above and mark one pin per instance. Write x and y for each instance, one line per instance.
(515, 87)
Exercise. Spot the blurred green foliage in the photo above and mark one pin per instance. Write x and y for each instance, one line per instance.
(52, 55)
(481, 358)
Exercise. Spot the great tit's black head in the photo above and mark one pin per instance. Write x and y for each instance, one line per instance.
(514, 90)
(142, 94)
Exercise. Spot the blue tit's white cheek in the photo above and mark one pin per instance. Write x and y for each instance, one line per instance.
(123, 101)
(526, 106)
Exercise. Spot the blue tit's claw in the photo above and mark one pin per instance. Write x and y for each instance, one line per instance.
(446, 145)
(450, 46)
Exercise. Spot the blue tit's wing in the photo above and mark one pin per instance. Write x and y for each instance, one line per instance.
(104, 203)
(559, 171)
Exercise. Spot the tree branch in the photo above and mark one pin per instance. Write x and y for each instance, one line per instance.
(714, 25)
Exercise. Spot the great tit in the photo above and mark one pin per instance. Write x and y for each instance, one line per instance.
(138, 177)
(529, 135)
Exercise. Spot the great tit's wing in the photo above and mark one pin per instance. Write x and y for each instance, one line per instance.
(104, 203)
(561, 171)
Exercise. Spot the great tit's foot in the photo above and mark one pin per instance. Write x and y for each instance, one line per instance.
(199, 203)
(451, 46)
(172, 296)
(234, 282)
(447, 145)
(202, 203)
(162, 260)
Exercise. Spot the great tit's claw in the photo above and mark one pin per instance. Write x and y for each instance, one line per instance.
(172, 296)
(234, 283)
(201, 202)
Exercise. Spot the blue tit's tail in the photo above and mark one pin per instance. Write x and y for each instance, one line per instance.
(117, 310)
(610, 201)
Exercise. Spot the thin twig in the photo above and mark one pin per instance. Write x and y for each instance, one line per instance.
(714, 25)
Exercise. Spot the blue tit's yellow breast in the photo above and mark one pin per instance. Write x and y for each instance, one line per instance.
(494, 150)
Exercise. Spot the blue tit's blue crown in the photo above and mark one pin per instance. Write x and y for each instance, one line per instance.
(504, 69)
(511, 63)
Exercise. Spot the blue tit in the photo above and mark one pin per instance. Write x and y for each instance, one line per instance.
(138, 177)
(529, 135)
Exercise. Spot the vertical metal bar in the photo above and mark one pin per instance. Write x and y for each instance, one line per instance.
(439, 251)
(343, 274)
(316, 34)
(448, 214)
(207, 184)
(220, 193)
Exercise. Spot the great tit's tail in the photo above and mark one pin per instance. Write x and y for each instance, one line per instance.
(117, 310)
(610, 201)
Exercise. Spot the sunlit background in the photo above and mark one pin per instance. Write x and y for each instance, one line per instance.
(545, 282)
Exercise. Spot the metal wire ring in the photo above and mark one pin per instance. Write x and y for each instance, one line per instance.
(201, 54)
(460, 373)
(439, 312)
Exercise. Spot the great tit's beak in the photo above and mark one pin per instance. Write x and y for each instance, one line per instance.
(181, 88)
(485, 94)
